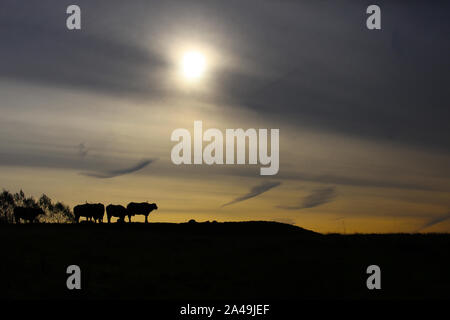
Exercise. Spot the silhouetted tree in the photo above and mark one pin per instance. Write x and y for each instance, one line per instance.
(54, 213)
(19, 198)
(46, 203)
(62, 213)
(30, 202)
(7, 205)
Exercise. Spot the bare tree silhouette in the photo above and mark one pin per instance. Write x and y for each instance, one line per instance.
(54, 213)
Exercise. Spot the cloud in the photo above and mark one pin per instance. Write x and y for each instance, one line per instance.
(316, 198)
(119, 172)
(254, 191)
(87, 60)
(301, 84)
(82, 150)
(316, 176)
(434, 221)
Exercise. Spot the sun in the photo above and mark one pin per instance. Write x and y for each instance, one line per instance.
(193, 65)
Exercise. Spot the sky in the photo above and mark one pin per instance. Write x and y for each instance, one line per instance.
(363, 115)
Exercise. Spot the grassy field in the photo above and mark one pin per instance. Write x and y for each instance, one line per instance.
(246, 260)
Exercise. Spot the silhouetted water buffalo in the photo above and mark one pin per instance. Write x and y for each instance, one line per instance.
(116, 211)
(94, 211)
(143, 208)
(25, 213)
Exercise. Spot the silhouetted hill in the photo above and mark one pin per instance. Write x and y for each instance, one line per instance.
(232, 260)
(244, 227)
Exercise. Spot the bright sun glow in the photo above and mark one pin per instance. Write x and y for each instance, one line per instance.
(193, 65)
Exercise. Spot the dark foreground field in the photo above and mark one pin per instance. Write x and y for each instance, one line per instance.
(251, 260)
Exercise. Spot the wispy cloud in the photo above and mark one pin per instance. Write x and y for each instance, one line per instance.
(435, 221)
(316, 198)
(82, 150)
(254, 191)
(114, 173)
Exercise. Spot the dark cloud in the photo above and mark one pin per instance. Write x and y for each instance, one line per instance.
(37, 47)
(434, 221)
(254, 191)
(357, 84)
(79, 61)
(119, 172)
(316, 176)
(340, 179)
(82, 150)
(316, 198)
